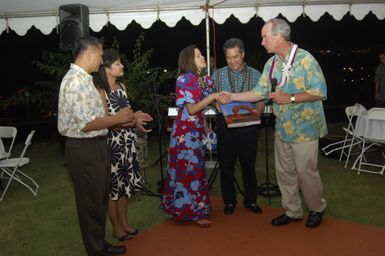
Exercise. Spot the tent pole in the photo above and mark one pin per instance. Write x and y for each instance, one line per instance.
(207, 36)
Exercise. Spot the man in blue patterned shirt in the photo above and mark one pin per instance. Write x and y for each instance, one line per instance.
(241, 142)
(300, 121)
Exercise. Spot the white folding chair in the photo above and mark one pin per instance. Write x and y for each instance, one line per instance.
(373, 136)
(350, 140)
(7, 132)
(11, 168)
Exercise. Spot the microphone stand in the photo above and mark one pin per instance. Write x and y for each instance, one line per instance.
(267, 188)
(160, 183)
(159, 129)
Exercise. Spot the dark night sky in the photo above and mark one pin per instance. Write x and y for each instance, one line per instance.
(19, 51)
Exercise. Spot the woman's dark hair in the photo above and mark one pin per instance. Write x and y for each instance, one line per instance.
(186, 62)
(100, 79)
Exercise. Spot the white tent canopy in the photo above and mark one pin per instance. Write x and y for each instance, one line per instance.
(21, 15)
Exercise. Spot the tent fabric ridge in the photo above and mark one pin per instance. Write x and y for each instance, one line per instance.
(171, 12)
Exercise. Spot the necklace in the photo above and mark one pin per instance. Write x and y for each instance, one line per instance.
(286, 67)
(232, 80)
(202, 84)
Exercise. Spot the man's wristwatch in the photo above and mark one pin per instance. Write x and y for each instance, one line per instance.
(292, 98)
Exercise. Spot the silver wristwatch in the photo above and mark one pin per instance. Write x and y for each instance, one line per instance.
(292, 98)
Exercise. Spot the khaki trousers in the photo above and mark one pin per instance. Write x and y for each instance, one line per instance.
(296, 169)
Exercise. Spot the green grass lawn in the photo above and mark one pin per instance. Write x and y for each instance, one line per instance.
(47, 224)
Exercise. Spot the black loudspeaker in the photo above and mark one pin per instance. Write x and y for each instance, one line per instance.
(74, 23)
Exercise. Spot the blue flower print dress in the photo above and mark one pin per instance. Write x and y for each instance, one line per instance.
(186, 195)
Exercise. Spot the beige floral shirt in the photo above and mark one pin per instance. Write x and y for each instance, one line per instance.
(79, 104)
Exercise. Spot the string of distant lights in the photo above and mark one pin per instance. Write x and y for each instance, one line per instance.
(352, 70)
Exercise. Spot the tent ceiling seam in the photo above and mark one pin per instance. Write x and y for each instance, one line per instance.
(188, 8)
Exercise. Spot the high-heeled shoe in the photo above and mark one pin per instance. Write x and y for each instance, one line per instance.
(123, 237)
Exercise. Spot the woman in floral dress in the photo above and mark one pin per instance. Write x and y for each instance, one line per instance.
(125, 169)
(186, 195)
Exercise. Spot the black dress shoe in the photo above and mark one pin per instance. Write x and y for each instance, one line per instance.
(283, 220)
(114, 250)
(254, 208)
(314, 219)
(229, 208)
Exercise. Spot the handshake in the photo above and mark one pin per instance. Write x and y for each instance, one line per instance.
(222, 97)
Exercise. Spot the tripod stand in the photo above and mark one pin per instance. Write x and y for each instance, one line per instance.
(142, 154)
(213, 177)
(172, 113)
(146, 191)
(162, 155)
(157, 109)
(141, 188)
(267, 188)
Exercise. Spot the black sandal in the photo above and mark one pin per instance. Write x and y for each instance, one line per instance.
(133, 233)
(123, 238)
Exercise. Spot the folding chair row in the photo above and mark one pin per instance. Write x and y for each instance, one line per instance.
(10, 167)
(372, 135)
(6, 133)
(346, 145)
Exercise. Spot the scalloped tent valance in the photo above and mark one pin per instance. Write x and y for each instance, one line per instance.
(21, 15)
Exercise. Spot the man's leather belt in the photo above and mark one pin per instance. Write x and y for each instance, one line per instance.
(101, 137)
